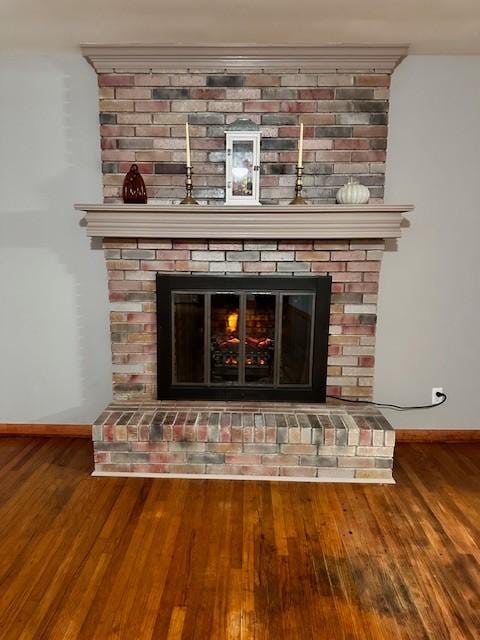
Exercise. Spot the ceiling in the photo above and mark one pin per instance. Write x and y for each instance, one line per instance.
(429, 26)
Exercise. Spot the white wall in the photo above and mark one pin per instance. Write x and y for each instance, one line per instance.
(54, 344)
(429, 304)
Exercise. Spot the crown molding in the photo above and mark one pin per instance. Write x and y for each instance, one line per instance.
(268, 221)
(106, 58)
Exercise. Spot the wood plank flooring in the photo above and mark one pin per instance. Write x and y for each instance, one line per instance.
(134, 559)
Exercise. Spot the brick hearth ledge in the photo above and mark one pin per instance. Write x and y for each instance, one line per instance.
(269, 441)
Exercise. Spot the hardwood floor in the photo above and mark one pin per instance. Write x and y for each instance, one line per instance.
(135, 559)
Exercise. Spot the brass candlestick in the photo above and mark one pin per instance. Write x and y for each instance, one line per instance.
(299, 199)
(189, 199)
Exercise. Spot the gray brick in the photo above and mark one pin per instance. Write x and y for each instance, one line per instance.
(209, 256)
(156, 433)
(209, 192)
(259, 420)
(225, 81)
(383, 463)
(206, 458)
(318, 461)
(352, 118)
(279, 144)
(169, 94)
(97, 432)
(379, 118)
(108, 118)
(370, 105)
(111, 446)
(135, 143)
(317, 168)
(216, 156)
(279, 119)
(243, 256)
(109, 167)
(206, 118)
(354, 93)
(260, 448)
(333, 132)
(130, 457)
(279, 93)
(278, 169)
(293, 267)
(282, 435)
(186, 446)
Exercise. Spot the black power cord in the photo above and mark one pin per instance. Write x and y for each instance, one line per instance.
(397, 407)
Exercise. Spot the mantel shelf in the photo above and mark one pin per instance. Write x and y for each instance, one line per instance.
(216, 221)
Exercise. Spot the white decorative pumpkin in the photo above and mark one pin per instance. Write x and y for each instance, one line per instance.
(353, 193)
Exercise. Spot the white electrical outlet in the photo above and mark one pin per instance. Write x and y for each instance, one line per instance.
(436, 399)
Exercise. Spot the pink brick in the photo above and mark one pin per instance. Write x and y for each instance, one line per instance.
(152, 131)
(115, 80)
(372, 80)
(149, 446)
(151, 105)
(348, 255)
(262, 106)
(328, 267)
(174, 254)
(243, 459)
(297, 107)
(116, 130)
(314, 256)
(316, 94)
(351, 143)
(260, 470)
(158, 265)
(191, 265)
(279, 459)
(370, 131)
(367, 265)
(208, 93)
(167, 457)
(191, 245)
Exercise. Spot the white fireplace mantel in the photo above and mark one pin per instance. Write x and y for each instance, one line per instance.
(214, 221)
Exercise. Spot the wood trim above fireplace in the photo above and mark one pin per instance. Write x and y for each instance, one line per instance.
(213, 221)
(106, 58)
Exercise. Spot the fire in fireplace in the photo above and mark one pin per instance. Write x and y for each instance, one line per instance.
(263, 338)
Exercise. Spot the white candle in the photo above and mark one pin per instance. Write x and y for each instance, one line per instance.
(187, 140)
(300, 146)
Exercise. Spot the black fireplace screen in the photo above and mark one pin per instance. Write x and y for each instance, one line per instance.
(234, 337)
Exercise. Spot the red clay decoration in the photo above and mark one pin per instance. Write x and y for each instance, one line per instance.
(134, 191)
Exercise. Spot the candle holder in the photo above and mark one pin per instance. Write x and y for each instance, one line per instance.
(299, 199)
(189, 199)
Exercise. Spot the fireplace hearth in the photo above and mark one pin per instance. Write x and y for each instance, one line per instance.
(242, 338)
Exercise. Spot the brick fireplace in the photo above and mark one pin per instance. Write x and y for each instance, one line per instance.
(344, 110)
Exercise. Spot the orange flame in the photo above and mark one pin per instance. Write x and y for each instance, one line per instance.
(232, 322)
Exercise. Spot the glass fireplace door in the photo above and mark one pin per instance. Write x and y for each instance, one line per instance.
(242, 342)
